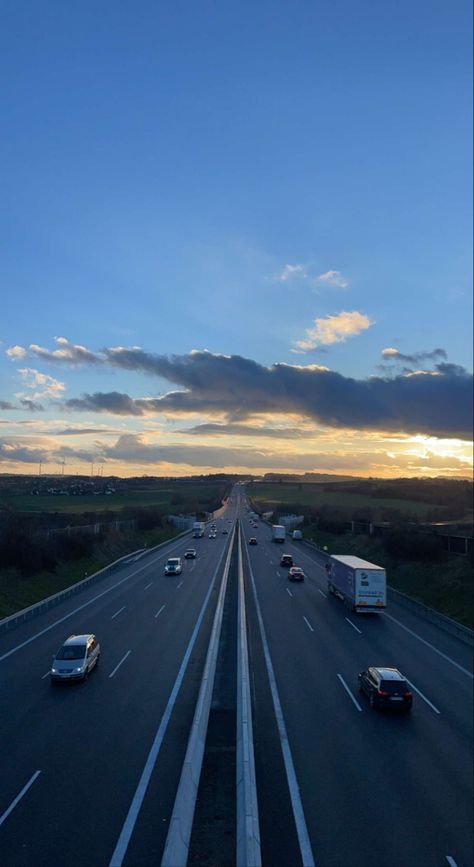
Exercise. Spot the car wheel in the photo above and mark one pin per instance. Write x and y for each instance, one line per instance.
(86, 675)
(372, 700)
(97, 660)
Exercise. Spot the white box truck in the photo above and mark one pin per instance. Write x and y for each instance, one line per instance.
(278, 533)
(361, 585)
(198, 529)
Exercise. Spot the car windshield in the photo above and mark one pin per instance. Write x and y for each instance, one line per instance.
(73, 651)
(173, 562)
(393, 686)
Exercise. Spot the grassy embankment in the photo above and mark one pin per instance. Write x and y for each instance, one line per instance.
(18, 591)
(444, 583)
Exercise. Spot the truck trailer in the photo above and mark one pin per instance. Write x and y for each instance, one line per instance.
(198, 529)
(361, 585)
(278, 533)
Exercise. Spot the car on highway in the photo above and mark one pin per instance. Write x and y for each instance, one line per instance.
(386, 688)
(213, 535)
(190, 554)
(75, 659)
(296, 574)
(173, 566)
(286, 560)
(225, 531)
(252, 541)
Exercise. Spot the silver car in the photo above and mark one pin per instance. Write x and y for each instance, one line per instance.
(76, 658)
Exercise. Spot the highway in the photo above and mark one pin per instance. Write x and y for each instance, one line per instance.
(89, 772)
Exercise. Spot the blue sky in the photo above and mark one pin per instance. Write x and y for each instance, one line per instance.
(289, 183)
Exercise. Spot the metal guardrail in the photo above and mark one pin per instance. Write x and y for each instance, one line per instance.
(448, 624)
(34, 610)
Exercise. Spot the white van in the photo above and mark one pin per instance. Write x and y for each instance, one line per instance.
(173, 566)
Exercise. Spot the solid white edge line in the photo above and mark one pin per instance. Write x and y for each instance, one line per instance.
(46, 675)
(321, 592)
(349, 692)
(451, 861)
(19, 797)
(148, 585)
(120, 663)
(160, 610)
(176, 849)
(179, 585)
(118, 612)
(135, 806)
(289, 592)
(428, 644)
(308, 624)
(295, 797)
(248, 849)
(422, 696)
(353, 625)
(85, 605)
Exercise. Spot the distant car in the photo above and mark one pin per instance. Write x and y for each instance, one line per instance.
(225, 531)
(386, 688)
(76, 658)
(252, 541)
(286, 560)
(190, 554)
(296, 574)
(173, 566)
(212, 535)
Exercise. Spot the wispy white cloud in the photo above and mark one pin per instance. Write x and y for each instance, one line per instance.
(291, 272)
(16, 352)
(334, 329)
(40, 383)
(334, 278)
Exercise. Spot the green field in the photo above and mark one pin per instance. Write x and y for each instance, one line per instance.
(315, 495)
(162, 497)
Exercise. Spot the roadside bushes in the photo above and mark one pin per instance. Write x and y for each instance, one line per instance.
(403, 545)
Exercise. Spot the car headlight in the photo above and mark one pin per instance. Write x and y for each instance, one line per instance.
(54, 671)
(80, 668)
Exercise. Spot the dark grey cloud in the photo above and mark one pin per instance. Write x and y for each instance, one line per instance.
(67, 353)
(113, 402)
(31, 450)
(287, 433)
(437, 403)
(79, 431)
(415, 357)
(5, 404)
(12, 451)
(131, 448)
(31, 405)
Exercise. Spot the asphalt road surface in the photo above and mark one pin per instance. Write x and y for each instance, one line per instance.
(89, 772)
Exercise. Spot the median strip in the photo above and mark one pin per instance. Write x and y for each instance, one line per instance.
(248, 830)
(293, 787)
(179, 833)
